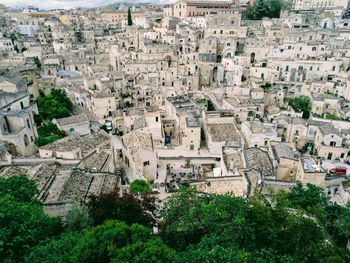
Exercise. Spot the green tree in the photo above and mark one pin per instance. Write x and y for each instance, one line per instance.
(129, 17)
(38, 119)
(188, 216)
(55, 105)
(310, 198)
(19, 188)
(139, 186)
(260, 9)
(115, 241)
(54, 250)
(248, 14)
(342, 225)
(126, 208)
(152, 250)
(37, 62)
(78, 218)
(275, 7)
(49, 133)
(211, 249)
(23, 223)
(279, 228)
(303, 104)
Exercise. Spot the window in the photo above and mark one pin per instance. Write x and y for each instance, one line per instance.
(157, 119)
(28, 124)
(146, 163)
(25, 139)
(71, 130)
(342, 155)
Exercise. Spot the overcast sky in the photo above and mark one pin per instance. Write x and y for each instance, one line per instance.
(66, 4)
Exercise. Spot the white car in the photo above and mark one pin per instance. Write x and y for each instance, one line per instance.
(109, 126)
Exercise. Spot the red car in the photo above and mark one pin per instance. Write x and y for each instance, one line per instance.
(338, 171)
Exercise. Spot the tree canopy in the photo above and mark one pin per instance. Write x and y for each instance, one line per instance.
(300, 225)
(49, 133)
(126, 208)
(303, 104)
(55, 105)
(114, 241)
(224, 228)
(139, 186)
(23, 223)
(265, 8)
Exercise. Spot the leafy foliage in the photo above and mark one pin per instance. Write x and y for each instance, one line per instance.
(37, 62)
(55, 105)
(115, 241)
(222, 228)
(260, 9)
(139, 186)
(78, 218)
(56, 250)
(23, 224)
(297, 226)
(19, 188)
(49, 133)
(301, 104)
(189, 216)
(126, 208)
(265, 8)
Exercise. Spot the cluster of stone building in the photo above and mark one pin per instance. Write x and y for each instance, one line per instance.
(194, 94)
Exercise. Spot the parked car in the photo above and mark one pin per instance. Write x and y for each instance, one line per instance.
(338, 171)
(108, 124)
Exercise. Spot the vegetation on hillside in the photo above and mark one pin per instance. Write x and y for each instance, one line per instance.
(299, 226)
(49, 133)
(55, 105)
